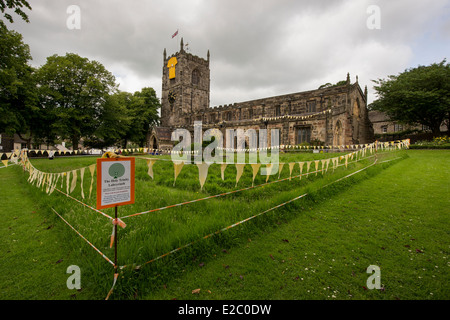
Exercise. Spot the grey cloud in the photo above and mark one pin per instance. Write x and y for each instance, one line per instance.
(258, 48)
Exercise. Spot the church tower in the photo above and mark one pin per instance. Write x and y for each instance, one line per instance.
(185, 88)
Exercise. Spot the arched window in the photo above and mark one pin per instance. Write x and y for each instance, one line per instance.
(195, 77)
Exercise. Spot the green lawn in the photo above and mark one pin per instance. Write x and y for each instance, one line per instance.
(397, 220)
(34, 258)
(318, 247)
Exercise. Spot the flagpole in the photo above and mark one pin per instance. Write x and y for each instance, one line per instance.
(178, 40)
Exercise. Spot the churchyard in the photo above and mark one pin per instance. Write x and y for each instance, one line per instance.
(282, 237)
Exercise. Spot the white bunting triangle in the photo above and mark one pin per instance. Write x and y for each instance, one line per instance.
(239, 170)
(291, 167)
(150, 163)
(255, 167)
(177, 165)
(222, 170)
(202, 173)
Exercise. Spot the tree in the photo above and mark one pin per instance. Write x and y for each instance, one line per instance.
(143, 110)
(74, 89)
(126, 118)
(115, 122)
(416, 96)
(17, 86)
(17, 5)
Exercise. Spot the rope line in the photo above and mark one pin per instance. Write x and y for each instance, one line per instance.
(81, 202)
(114, 264)
(101, 253)
(236, 191)
(205, 198)
(245, 220)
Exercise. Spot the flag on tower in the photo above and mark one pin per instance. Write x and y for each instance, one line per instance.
(175, 34)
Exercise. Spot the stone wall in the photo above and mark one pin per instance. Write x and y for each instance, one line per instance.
(191, 87)
(347, 122)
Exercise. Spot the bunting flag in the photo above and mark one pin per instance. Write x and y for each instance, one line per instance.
(67, 181)
(308, 165)
(239, 170)
(30, 177)
(291, 167)
(42, 180)
(74, 181)
(53, 186)
(222, 170)
(35, 177)
(39, 182)
(50, 181)
(317, 165)
(5, 163)
(91, 169)
(269, 167)
(280, 168)
(202, 173)
(150, 163)
(82, 178)
(53, 182)
(62, 178)
(255, 167)
(47, 182)
(300, 164)
(177, 165)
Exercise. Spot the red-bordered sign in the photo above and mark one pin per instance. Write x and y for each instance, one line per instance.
(115, 182)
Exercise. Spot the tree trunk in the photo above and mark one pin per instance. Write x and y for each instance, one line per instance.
(75, 141)
(436, 130)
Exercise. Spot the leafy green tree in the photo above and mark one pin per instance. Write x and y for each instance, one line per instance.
(143, 111)
(416, 96)
(126, 118)
(17, 87)
(15, 5)
(114, 122)
(74, 90)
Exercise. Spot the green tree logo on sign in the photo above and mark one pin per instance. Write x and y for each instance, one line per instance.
(116, 170)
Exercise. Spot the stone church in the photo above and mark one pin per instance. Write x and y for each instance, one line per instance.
(331, 116)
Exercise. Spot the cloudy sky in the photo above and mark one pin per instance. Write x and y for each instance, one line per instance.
(258, 48)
